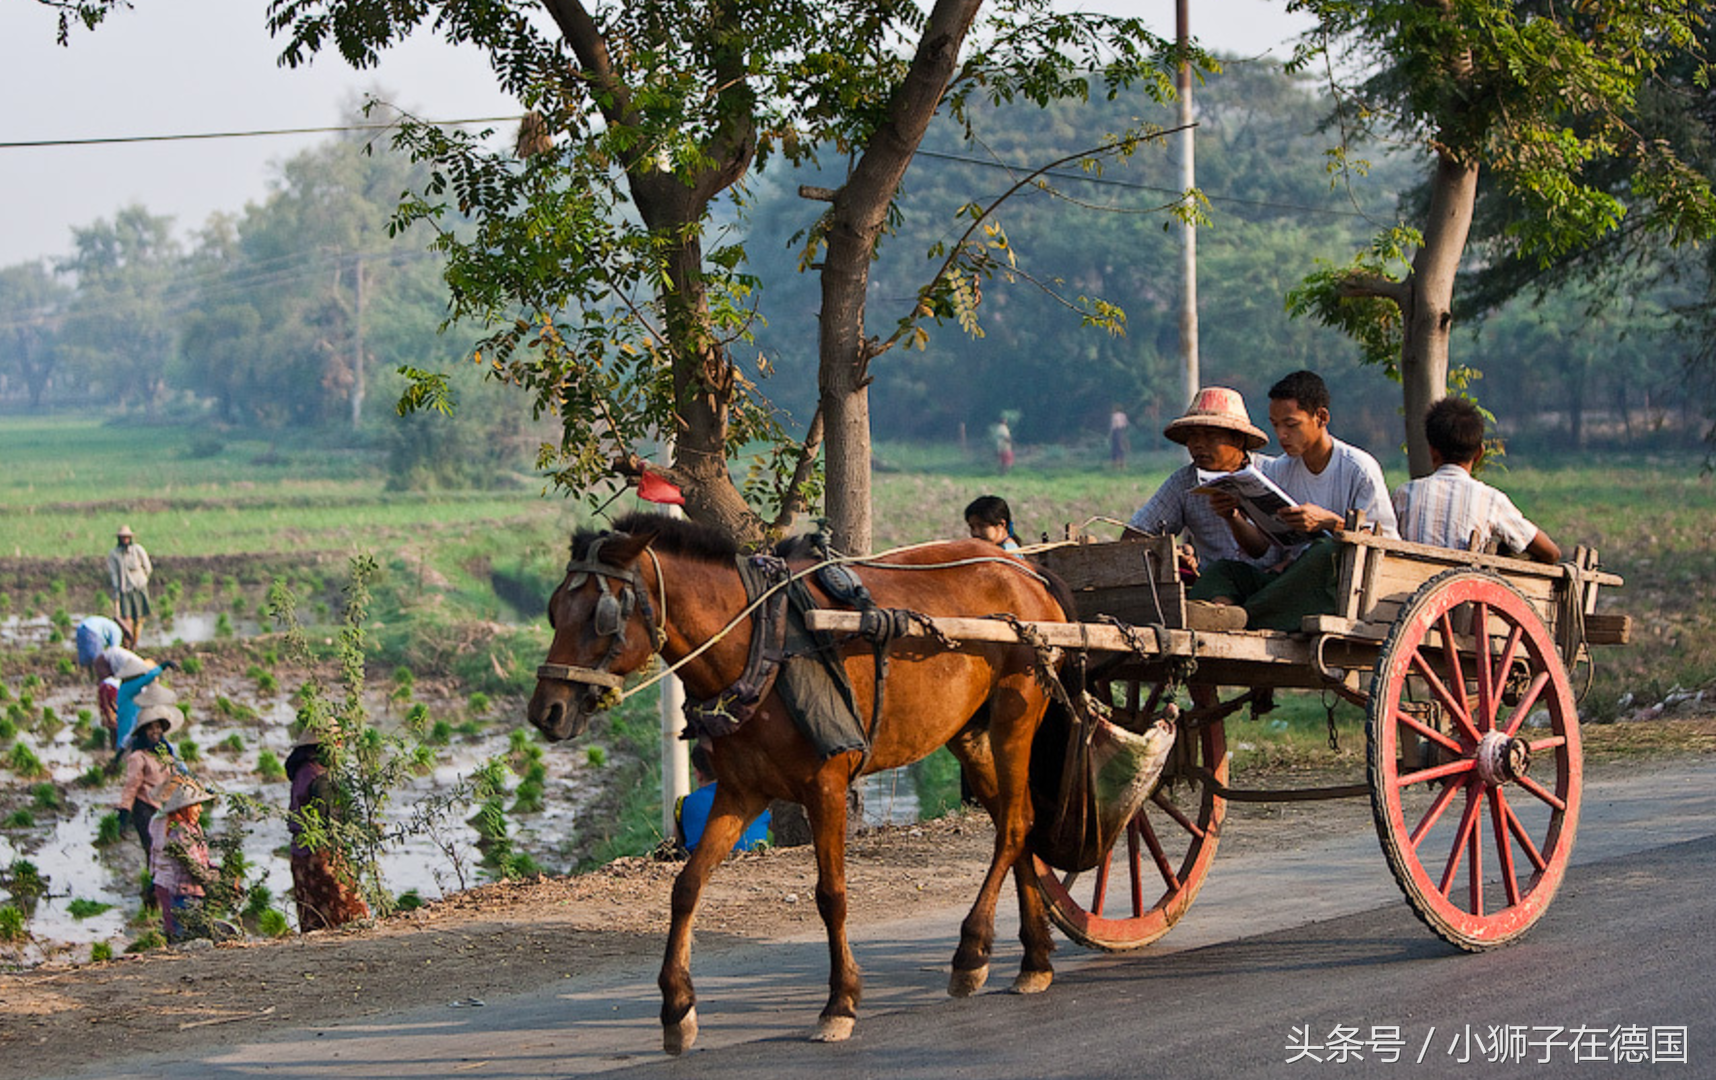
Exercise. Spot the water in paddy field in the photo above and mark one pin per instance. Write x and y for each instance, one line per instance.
(184, 628)
(61, 843)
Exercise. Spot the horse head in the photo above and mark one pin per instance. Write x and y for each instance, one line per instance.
(604, 629)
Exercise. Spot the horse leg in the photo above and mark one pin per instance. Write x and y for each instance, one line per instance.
(826, 809)
(727, 818)
(1010, 745)
(1035, 971)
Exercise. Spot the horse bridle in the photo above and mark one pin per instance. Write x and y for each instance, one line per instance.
(609, 618)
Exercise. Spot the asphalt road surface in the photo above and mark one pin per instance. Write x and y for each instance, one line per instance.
(1292, 963)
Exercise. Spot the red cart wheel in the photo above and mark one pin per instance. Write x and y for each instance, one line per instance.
(1474, 759)
(1150, 879)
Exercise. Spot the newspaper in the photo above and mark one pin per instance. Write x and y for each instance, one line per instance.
(1260, 499)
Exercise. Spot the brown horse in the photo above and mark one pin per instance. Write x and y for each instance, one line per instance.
(658, 580)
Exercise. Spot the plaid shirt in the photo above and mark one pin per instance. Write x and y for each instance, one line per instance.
(1451, 509)
(1174, 509)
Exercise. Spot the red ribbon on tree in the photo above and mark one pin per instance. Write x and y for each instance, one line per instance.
(656, 489)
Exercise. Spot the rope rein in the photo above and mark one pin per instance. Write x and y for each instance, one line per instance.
(871, 561)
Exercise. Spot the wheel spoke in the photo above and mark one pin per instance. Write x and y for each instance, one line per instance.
(1518, 828)
(1433, 814)
(1499, 815)
(1541, 792)
(1509, 651)
(1174, 812)
(1436, 772)
(1169, 877)
(1526, 701)
(1468, 818)
(1451, 653)
(1441, 739)
(1486, 718)
(1456, 706)
(1475, 846)
(1549, 743)
(1101, 895)
(1136, 868)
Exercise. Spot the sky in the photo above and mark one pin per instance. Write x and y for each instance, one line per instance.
(178, 67)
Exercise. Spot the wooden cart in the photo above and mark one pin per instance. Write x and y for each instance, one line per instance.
(1462, 662)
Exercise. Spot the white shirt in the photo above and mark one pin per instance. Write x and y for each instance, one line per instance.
(1451, 508)
(1352, 480)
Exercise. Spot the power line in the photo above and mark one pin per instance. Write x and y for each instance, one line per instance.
(192, 136)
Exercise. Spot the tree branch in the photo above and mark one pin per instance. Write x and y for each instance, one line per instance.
(1356, 285)
(794, 502)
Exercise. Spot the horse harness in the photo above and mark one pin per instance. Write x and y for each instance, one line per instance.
(608, 620)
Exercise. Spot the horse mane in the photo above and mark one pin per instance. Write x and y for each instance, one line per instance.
(673, 536)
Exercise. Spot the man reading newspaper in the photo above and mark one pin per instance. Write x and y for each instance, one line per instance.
(1324, 478)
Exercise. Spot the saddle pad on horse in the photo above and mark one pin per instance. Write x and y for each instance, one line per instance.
(813, 685)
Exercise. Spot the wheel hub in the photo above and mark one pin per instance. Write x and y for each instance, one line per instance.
(1501, 758)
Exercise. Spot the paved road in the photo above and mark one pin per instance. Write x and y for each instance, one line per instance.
(1316, 938)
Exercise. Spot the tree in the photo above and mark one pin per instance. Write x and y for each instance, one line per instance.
(1544, 96)
(32, 304)
(589, 261)
(120, 328)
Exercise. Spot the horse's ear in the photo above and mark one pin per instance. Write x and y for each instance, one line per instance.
(622, 549)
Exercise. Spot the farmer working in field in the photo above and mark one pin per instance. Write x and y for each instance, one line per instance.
(128, 571)
(1326, 478)
(1217, 432)
(1453, 509)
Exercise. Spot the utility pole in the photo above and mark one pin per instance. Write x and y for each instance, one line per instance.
(1188, 232)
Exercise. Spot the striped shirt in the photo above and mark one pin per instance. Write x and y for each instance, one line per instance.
(1174, 509)
(1449, 508)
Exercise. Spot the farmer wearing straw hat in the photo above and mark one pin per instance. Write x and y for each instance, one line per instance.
(149, 765)
(1217, 432)
(128, 571)
(178, 854)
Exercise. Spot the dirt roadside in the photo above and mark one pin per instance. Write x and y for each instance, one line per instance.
(517, 936)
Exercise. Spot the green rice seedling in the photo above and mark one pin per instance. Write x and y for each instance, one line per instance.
(257, 900)
(101, 952)
(517, 741)
(232, 744)
(12, 924)
(5, 692)
(108, 831)
(189, 752)
(8, 727)
(268, 766)
(6, 601)
(409, 900)
(479, 703)
(417, 717)
(61, 620)
(19, 819)
(46, 796)
(32, 681)
(65, 666)
(50, 724)
(57, 586)
(273, 924)
(470, 728)
(23, 761)
(146, 941)
(95, 740)
(85, 718)
(440, 734)
(55, 636)
(271, 657)
(94, 776)
(239, 604)
(267, 683)
(191, 665)
(223, 627)
(527, 798)
(86, 909)
(595, 757)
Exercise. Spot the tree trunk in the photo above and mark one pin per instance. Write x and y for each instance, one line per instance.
(1428, 314)
(857, 217)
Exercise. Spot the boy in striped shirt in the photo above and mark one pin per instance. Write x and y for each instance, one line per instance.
(1450, 508)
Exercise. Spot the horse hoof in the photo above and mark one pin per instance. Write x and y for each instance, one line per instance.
(966, 983)
(833, 1029)
(676, 1039)
(1032, 982)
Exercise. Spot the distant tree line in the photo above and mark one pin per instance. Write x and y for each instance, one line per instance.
(296, 313)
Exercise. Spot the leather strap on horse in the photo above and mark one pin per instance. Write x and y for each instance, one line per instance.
(724, 713)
